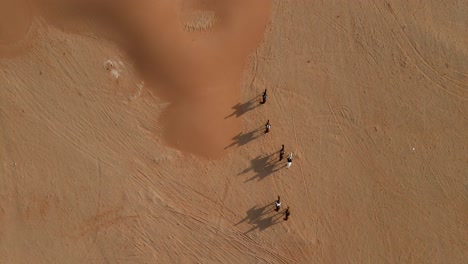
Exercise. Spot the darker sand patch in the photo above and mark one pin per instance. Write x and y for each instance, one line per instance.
(16, 25)
(198, 71)
(15, 21)
(191, 54)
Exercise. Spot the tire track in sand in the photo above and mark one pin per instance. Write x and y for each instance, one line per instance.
(421, 64)
(363, 155)
(299, 143)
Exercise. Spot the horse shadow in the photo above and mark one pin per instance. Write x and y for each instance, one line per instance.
(262, 166)
(261, 217)
(244, 138)
(240, 109)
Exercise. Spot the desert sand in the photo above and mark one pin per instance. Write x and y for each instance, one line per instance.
(131, 131)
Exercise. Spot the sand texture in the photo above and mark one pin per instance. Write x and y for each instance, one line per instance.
(131, 131)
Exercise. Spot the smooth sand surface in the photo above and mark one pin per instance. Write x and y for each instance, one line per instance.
(132, 132)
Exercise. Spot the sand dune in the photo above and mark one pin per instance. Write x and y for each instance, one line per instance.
(132, 132)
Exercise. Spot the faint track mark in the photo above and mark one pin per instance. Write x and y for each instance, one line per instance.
(417, 57)
(282, 49)
(385, 182)
(97, 212)
(298, 143)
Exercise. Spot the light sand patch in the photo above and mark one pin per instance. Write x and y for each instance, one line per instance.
(199, 20)
(115, 68)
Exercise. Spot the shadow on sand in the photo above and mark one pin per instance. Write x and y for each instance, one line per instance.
(244, 138)
(240, 109)
(261, 217)
(263, 166)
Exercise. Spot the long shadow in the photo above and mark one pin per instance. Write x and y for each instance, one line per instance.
(240, 109)
(263, 166)
(266, 222)
(244, 138)
(253, 214)
(261, 217)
